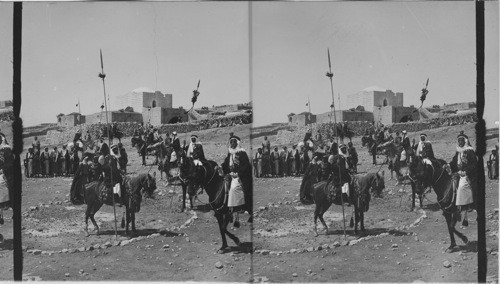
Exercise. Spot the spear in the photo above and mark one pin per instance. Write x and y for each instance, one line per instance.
(330, 75)
(102, 75)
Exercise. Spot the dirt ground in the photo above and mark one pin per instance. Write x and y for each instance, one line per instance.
(169, 245)
(398, 245)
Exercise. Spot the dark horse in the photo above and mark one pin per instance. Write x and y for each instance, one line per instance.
(132, 189)
(359, 196)
(208, 176)
(437, 176)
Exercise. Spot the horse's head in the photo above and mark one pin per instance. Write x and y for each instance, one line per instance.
(149, 185)
(378, 184)
(420, 173)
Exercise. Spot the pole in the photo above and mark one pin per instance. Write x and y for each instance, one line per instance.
(102, 76)
(482, 262)
(330, 75)
(15, 194)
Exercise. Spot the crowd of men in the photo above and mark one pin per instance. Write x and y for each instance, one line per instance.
(294, 161)
(72, 158)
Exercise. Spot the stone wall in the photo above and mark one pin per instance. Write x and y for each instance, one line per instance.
(287, 137)
(55, 137)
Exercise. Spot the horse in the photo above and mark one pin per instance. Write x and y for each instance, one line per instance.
(132, 189)
(393, 153)
(209, 177)
(359, 196)
(439, 178)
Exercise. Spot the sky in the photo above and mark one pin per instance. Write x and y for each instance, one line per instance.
(160, 46)
(170, 46)
(393, 45)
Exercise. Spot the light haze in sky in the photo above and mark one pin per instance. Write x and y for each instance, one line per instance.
(169, 46)
(392, 45)
(160, 46)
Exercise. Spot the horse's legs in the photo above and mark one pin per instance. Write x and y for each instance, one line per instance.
(184, 192)
(230, 235)
(356, 217)
(451, 220)
(132, 215)
(220, 221)
(316, 214)
(362, 219)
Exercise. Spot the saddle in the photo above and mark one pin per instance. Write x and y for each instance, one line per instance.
(337, 193)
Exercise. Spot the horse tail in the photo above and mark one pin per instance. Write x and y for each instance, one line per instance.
(77, 191)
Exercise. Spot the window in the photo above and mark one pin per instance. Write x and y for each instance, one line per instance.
(385, 102)
(153, 104)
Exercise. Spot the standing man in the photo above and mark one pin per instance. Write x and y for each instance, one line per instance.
(29, 162)
(352, 159)
(46, 161)
(54, 162)
(284, 162)
(258, 163)
(122, 158)
(463, 165)
(275, 161)
(238, 171)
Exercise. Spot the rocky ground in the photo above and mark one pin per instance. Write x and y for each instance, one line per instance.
(399, 245)
(169, 245)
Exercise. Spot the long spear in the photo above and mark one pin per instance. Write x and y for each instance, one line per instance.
(102, 76)
(330, 75)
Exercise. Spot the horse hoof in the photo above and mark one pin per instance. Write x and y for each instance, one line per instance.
(465, 240)
(237, 242)
(450, 249)
(222, 250)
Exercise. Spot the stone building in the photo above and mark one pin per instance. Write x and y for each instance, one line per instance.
(70, 120)
(373, 97)
(143, 98)
(301, 119)
(159, 115)
(113, 116)
(395, 114)
(345, 115)
(5, 104)
(459, 106)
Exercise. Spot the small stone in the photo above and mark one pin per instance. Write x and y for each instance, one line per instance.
(344, 243)
(294, 274)
(33, 208)
(310, 249)
(446, 264)
(336, 244)
(219, 265)
(394, 245)
(66, 274)
(264, 252)
(166, 246)
(116, 243)
(107, 244)
(97, 246)
(81, 249)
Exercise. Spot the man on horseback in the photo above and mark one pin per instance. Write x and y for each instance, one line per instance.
(424, 148)
(238, 177)
(195, 149)
(463, 165)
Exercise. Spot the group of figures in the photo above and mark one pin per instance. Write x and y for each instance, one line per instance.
(294, 162)
(52, 162)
